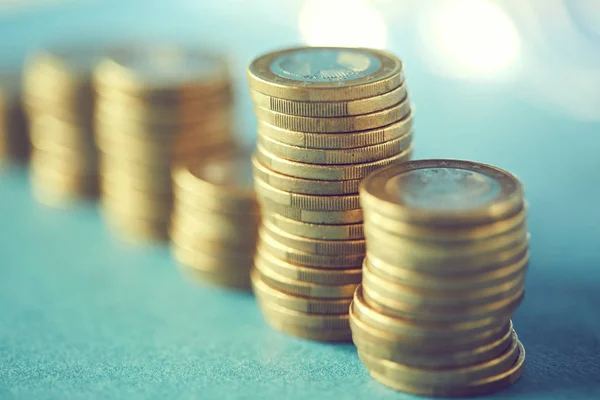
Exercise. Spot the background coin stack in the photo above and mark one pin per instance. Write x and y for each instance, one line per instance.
(447, 252)
(59, 102)
(215, 218)
(14, 137)
(156, 107)
(327, 117)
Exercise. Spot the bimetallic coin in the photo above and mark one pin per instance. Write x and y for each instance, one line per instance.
(308, 305)
(443, 192)
(316, 231)
(342, 156)
(336, 141)
(330, 108)
(325, 74)
(353, 123)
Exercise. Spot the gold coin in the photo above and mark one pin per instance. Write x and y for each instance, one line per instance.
(308, 305)
(336, 141)
(449, 282)
(412, 357)
(316, 231)
(45, 128)
(353, 123)
(432, 299)
(60, 158)
(341, 156)
(326, 172)
(497, 309)
(243, 241)
(301, 288)
(303, 186)
(211, 258)
(454, 377)
(315, 246)
(326, 322)
(239, 280)
(423, 331)
(135, 229)
(237, 228)
(443, 192)
(317, 276)
(121, 180)
(441, 233)
(433, 348)
(312, 216)
(305, 201)
(325, 74)
(308, 259)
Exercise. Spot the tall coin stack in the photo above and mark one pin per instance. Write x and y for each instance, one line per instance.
(326, 118)
(156, 107)
(14, 138)
(215, 218)
(447, 252)
(59, 102)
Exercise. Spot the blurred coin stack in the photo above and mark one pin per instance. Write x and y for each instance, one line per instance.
(215, 218)
(14, 137)
(326, 118)
(59, 103)
(156, 107)
(447, 252)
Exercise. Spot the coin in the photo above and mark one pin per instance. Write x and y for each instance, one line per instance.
(341, 156)
(335, 124)
(211, 259)
(316, 231)
(314, 217)
(442, 192)
(325, 322)
(326, 172)
(238, 280)
(297, 303)
(325, 74)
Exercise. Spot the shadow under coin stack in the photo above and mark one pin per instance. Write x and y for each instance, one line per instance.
(447, 252)
(14, 137)
(327, 117)
(59, 103)
(215, 219)
(156, 108)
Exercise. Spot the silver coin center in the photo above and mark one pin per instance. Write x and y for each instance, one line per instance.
(444, 189)
(325, 65)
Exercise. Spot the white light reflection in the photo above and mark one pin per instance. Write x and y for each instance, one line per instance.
(346, 23)
(468, 38)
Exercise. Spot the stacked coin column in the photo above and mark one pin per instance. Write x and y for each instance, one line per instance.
(447, 252)
(215, 219)
(156, 108)
(327, 117)
(14, 136)
(59, 102)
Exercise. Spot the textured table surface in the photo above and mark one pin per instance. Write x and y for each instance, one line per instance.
(83, 315)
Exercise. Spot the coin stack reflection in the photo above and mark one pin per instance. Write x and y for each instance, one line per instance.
(215, 218)
(327, 117)
(14, 137)
(59, 102)
(156, 107)
(447, 252)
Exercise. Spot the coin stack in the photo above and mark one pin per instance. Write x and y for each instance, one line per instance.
(327, 117)
(156, 108)
(447, 252)
(14, 137)
(215, 218)
(59, 103)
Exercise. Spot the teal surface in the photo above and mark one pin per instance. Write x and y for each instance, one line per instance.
(83, 315)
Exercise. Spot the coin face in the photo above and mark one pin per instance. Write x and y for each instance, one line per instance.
(325, 65)
(234, 171)
(444, 188)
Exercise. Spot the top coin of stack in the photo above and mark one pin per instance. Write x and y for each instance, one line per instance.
(447, 252)
(326, 118)
(14, 137)
(156, 107)
(58, 98)
(215, 219)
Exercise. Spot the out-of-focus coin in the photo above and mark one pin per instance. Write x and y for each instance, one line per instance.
(316, 231)
(324, 322)
(325, 74)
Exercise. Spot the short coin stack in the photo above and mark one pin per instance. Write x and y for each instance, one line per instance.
(215, 218)
(327, 117)
(14, 138)
(447, 252)
(59, 102)
(156, 107)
